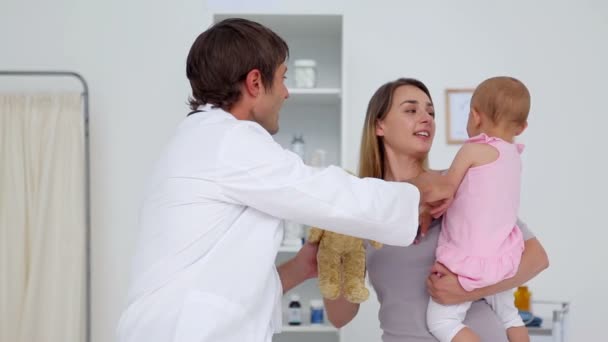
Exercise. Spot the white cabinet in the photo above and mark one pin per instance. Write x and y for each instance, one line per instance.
(317, 115)
(307, 291)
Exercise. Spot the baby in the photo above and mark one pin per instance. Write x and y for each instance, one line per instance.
(479, 239)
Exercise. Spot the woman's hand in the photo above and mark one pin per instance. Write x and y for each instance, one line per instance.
(443, 286)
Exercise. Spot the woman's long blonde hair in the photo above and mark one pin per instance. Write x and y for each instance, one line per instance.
(372, 157)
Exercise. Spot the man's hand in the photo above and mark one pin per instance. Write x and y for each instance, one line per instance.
(424, 222)
(439, 208)
(300, 268)
(436, 190)
(443, 286)
(306, 260)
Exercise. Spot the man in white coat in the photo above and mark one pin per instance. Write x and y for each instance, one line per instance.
(211, 223)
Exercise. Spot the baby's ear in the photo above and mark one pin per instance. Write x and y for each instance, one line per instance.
(521, 128)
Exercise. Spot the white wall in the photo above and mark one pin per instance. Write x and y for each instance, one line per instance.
(132, 53)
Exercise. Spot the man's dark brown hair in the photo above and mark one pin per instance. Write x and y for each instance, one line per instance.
(222, 56)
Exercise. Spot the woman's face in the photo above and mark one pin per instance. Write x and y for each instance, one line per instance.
(408, 128)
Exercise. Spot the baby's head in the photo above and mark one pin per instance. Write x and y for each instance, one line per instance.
(499, 106)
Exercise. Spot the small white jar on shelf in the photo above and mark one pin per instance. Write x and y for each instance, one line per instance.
(305, 73)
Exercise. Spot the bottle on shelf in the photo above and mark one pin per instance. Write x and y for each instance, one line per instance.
(316, 311)
(523, 298)
(294, 232)
(298, 146)
(294, 312)
(318, 158)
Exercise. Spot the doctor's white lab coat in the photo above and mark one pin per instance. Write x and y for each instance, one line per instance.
(211, 225)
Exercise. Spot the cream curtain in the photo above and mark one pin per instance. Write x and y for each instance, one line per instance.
(42, 219)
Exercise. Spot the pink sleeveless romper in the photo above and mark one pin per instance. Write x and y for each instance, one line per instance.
(479, 239)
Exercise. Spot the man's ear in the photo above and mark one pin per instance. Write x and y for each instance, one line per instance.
(379, 128)
(253, 82)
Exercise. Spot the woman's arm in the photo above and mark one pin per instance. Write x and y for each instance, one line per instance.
(340, 311)
(445, 288)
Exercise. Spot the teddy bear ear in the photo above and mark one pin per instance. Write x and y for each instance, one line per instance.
(375, 244)
(315, 234)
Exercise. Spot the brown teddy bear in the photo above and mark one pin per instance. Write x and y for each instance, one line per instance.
(341, 265)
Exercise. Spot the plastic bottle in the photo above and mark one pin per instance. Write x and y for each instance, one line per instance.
(294, 313)
(316, 311)
(294, 232)
(318, 158)
(522, 298)
(298, 146)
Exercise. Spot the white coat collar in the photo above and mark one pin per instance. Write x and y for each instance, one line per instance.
(207, 107)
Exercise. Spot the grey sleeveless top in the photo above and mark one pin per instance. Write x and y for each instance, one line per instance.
(398, 275)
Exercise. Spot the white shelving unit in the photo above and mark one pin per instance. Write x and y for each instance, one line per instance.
(310, 328)
(320, 92)
(315, 96)
(289, 249)
(317, 115)
(307, 291)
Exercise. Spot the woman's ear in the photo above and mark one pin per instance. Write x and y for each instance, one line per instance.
(379, 128)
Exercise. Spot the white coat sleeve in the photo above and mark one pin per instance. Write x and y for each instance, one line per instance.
(259, 173)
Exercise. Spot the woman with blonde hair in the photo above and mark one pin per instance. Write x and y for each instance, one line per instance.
(397, 136)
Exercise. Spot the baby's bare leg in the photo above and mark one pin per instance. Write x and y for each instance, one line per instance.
(502, 304)
(466, 335)
(518, 334)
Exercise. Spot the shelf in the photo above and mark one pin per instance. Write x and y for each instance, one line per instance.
(318, 96)
(309, 328)
(549, 310)
(289, 249)
(315, 91)
(543, 330)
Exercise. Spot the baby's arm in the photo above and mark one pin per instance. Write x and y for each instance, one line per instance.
(470, 155)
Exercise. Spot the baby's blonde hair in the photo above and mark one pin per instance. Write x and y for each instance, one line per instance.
(504, 100)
